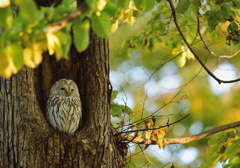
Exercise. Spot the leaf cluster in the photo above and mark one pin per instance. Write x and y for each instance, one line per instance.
(116, 109)
(223, 147)
(25, 37)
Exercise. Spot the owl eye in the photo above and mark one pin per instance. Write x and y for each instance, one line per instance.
(62, 88)
(72, 90)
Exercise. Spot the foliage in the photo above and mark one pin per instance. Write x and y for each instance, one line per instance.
(27, 35)
(224, 147)
(25, 38)
(116, 109)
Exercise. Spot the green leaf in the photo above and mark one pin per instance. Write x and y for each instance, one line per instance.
(15, 51)
(139, 4)
(149, 4)
(219, 138)
(212, 157)
(122, 3)
(6, 17)
(66, 3)
(183, 6)
(92, 4)
(114, 95)
(111, 8)
(232, 149)
(81, 34)
(215, 7)
(234, 26)
(237, 4)
(116, 111)
(151, 45)
(162, 27)
(28, 11)
(101, 25)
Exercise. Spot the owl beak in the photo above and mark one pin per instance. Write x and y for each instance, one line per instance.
(68, 93)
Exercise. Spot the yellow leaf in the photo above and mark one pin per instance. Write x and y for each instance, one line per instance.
(147, 124)
(27, 57)
(37, 54)
(7, 67)
(161, 143)
(126, 15)
(114, 26)
(161, 132)
(131, 19)
(101, 4)
(54, 45)
(138, 134)
(152, 135)
(4, 3)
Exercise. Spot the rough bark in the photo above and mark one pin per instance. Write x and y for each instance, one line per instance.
(27, 140)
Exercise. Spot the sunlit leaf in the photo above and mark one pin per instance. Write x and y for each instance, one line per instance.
(7, 67)
(4, 3)
(32, 57)
(233, 148)
(81, 34)
(15, 51)
(161, 132)
(66, 40)
(54, 45)
(114, 26)
(148, 126)
(101, 4)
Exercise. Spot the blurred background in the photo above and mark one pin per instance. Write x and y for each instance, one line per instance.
(209, 104)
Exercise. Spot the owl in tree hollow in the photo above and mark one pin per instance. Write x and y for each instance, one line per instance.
(64, 108)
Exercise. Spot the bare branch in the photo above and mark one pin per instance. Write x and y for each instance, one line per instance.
(58, 25)
(181, 140)
(193, 52)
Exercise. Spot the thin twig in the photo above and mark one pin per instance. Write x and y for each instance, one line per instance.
(184, 140)
(146, 156)
(193, 52)
(152, 128)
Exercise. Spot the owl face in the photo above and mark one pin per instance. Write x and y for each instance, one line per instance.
(65, 87)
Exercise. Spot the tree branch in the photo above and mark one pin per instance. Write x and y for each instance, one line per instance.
(190, 48)
(184, 140)
(58, 25)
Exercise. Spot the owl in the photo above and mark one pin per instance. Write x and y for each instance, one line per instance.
(64, 108)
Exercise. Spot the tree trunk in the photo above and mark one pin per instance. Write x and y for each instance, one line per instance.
(26, 138)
